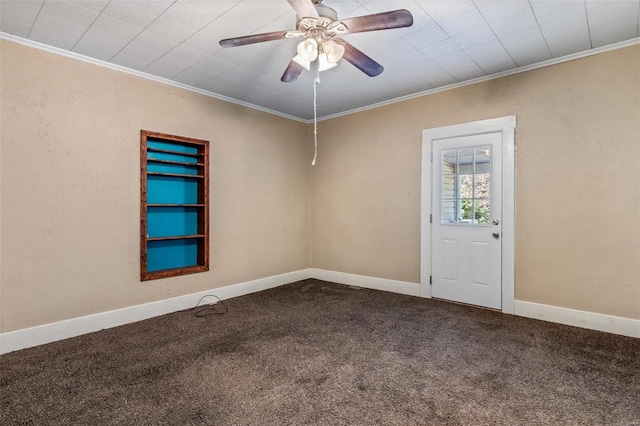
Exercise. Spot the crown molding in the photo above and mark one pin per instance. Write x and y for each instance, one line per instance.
(147, 76)
(555, 61)
(550, 62)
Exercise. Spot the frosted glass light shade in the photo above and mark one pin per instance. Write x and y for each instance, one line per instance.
(324, 63)
(308, 49)
(333, 50)
(306, 64)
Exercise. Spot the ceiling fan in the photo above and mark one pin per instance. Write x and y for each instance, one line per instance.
(321, 29)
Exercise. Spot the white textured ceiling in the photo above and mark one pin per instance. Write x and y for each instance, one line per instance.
(450, 42)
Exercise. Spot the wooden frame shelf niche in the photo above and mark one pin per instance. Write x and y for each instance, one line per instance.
(174, 205)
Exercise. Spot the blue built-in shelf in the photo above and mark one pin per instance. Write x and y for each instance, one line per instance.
(175, 204)
(169, 221)
(171, 254)
(162, 189)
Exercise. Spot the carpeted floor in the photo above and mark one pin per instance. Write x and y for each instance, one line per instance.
(316, 353)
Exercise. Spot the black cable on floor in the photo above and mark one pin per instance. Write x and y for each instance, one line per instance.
(210, 309)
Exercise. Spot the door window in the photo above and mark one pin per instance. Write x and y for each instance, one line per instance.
(466, 186)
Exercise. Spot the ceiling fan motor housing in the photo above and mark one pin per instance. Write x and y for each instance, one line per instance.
(326, 12)
(325, 27)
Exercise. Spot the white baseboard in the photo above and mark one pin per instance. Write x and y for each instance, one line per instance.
(584, 319)
(393, 286)
(39, 335)
(47, 333)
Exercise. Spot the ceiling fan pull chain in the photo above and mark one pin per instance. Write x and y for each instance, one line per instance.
(316, 81)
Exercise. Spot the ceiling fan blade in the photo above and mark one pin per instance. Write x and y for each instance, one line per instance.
(304, 8)
(360, 60)
(292, 72)
(254, 38)
(379, 21)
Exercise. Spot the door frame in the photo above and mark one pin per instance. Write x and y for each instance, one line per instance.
(505, 125)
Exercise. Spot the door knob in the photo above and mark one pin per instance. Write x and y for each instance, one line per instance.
(496, 235)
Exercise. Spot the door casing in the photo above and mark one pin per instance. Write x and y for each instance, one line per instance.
(506, 126)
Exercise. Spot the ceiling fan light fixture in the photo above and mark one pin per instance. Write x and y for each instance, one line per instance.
(324, 63)
(308, 50)
(333, 50)
(303, 62)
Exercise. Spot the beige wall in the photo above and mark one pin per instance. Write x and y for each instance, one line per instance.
(70, 187)
(577, 182)
(69, 165)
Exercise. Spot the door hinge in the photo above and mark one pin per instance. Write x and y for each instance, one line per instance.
(432, 157)
(430, 279)
(431, 218)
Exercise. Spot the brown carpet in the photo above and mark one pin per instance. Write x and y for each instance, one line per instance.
(316, 353)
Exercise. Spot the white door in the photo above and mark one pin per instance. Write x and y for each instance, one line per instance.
(466, 244)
